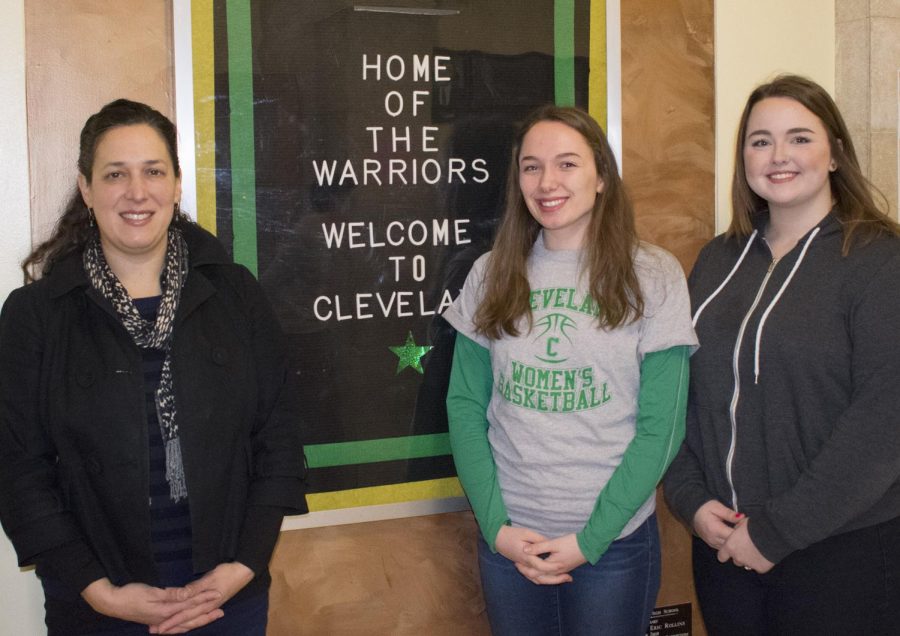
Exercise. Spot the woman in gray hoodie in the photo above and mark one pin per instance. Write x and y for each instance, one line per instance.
(791, 465)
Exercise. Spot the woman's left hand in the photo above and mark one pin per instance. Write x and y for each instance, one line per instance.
(563, 556)
(740, 549)
(226, 578)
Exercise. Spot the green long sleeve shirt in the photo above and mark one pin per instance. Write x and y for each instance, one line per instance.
(658, 434)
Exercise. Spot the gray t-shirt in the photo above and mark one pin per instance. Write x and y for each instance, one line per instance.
(564, 401)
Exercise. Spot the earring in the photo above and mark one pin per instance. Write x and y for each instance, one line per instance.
(177, 210)
(91, 217)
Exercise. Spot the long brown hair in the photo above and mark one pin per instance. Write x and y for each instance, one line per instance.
(73, 229)
(609, 246)
(855, 208)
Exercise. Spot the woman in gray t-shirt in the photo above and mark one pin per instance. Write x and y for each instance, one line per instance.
(567, 395)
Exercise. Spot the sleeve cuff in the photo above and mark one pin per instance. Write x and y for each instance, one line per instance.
(687, 505)
(767, 539)
(594, 555)
(72, 564)
(285, 493)
(259, 534)
(490, 534)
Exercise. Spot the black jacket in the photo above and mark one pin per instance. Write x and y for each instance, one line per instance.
(73, 441)
(814, 449)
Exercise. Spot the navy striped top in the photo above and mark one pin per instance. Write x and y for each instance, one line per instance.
(170, 521)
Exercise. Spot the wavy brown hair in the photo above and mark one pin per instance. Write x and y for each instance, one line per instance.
(609, 247)
(73, 229)
(856, 208)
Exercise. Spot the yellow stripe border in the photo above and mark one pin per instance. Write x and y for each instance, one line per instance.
(204, 111)
(379, 495)
(597, 78)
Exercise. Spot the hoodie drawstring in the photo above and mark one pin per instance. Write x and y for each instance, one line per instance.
(762, 321)
(727, 278)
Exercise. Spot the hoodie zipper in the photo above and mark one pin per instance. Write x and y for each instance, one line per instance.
(735, 396)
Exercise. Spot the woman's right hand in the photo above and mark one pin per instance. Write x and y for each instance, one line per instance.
(141, 603)
(714, 522)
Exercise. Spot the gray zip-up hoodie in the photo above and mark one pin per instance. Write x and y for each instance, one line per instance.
(794, 405)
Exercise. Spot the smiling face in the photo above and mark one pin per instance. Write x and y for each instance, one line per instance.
(133, 191)
(559, 182)
(787, 157)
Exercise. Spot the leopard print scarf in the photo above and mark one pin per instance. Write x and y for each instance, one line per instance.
(151, 335)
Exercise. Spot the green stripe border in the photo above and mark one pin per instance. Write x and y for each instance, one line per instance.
(564, 52)
(377, 450)
(243, 149)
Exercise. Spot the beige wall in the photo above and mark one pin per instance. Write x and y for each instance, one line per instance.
(756, 40)
(867, 86)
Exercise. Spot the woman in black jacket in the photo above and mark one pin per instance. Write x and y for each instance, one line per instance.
(148, 445)
(790, 468)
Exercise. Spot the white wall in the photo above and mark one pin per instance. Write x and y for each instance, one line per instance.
(21, 601)
(754, 41)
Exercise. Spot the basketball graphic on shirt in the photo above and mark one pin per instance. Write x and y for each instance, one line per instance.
(553, 339)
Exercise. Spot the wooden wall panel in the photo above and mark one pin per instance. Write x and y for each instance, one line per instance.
(80, 55)
(409, 576)
(669, 168)
(667, 123)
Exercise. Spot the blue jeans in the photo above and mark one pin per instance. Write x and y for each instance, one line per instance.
(614, 597)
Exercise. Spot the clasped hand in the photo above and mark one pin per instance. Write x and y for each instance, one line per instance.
(173, 610)
(542, 561)
(725, 531)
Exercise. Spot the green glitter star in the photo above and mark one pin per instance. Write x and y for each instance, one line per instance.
(410, 355)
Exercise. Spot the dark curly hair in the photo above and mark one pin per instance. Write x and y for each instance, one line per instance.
(73, 229)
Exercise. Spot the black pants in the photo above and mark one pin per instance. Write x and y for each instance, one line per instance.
(845, 585)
